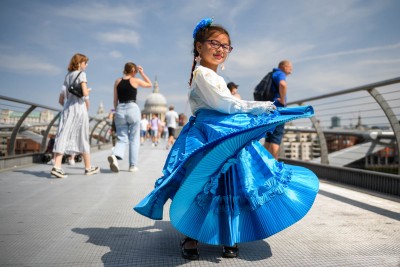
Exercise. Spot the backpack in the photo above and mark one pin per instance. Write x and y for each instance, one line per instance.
(264, 90)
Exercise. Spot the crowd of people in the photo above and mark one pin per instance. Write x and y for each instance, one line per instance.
(155, 129)
(217, 198)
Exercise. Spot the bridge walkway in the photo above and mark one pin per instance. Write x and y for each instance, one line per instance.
(89, 221)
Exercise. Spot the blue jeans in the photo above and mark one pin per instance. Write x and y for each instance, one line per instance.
(127, 122)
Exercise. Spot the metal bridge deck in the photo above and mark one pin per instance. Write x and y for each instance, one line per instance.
(89, 221)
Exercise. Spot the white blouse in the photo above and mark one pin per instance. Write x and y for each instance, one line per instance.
(209, 91)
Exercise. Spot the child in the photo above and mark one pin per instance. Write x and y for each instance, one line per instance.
(155, 123)
(225, 186)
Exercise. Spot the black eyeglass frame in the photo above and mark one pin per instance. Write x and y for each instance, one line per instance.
(216, 45)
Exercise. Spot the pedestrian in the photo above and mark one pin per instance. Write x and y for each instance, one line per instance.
(225, 187)
(172, 119)
(127, 115)
(155, 124)
(273, 139)
(161, 130)
(73, 129)
(113, 130)
(144, 126)
(233, 88)
(62, 100)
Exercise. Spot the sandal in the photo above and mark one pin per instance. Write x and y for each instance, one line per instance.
(230, 252)
(189, 253)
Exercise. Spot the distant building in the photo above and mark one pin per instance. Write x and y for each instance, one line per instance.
(155, 103)
(11, 117)
(300, 146)
(359, 125)
(100, 110)
(335, 122)
(336, 142)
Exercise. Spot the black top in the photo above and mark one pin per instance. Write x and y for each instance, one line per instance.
(126, 92)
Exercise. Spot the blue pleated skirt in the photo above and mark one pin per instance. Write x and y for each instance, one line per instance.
(225, 187)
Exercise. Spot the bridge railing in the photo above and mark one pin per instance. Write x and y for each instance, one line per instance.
(369, 107)
(370, 111)
(31, 121)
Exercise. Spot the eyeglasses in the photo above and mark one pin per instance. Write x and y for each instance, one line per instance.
(216, 45)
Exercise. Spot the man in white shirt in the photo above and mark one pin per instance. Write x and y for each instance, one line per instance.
(172, 118)
(144, 127)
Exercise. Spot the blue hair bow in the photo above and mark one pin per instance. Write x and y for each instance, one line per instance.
(201, 25)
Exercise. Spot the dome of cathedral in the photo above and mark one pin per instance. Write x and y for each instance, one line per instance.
(155, 103)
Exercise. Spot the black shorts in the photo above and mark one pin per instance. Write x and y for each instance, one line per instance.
(171, 131)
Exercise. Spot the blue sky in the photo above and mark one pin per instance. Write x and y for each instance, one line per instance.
(333, 44)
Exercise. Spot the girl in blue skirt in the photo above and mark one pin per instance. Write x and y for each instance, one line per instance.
(225, 187)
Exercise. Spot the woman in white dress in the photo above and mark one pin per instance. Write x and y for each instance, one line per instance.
(73, 130)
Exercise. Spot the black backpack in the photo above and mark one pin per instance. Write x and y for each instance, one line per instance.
(264, 90)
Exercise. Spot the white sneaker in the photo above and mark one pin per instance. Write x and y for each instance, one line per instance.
(133, 169)
(58, 172)
(92, 170)
(71, 162)
(113, 163)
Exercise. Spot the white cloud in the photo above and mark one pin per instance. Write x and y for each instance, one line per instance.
(102, 13)
(27, 64)
(120, 36)
(380, 62)
(253, 59)
(350, 52)
(115, 54)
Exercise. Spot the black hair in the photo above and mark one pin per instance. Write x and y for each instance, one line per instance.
(201, 36)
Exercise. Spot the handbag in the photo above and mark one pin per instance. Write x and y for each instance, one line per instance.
(76, 89)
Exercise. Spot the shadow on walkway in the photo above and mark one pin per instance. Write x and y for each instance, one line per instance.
(384, 212)
(157, 245)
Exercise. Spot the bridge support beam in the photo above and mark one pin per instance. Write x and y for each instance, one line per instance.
(391, 117)
(13, 138)
(46, 133)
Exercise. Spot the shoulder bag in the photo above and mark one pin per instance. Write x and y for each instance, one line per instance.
(76, 89)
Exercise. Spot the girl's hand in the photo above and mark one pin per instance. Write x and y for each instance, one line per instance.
(270, 105)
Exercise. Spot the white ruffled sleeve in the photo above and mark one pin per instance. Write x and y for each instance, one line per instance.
(212, 89)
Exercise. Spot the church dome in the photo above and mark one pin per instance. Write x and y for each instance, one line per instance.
(155, 103)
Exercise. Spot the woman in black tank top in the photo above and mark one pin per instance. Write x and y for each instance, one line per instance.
(126, 92)
(127, 115)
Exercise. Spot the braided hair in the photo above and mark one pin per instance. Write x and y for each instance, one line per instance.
(202, 35)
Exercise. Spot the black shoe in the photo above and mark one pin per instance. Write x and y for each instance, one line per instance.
(230, 252)
(191, 253)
